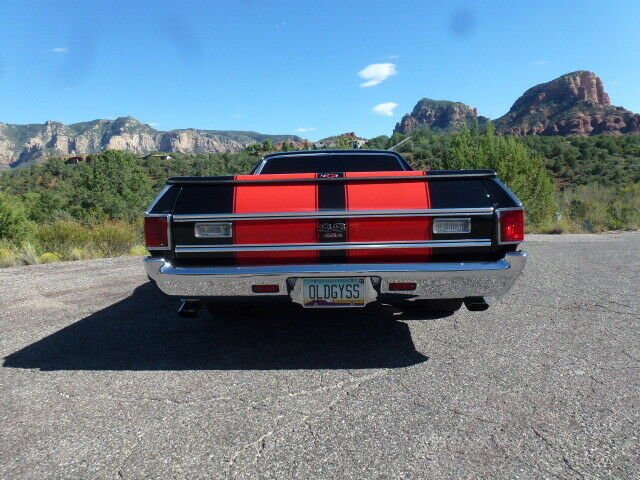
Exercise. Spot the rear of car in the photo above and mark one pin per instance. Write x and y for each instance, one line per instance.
(336, 229)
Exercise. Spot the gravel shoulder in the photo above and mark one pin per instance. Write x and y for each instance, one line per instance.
(100, 379)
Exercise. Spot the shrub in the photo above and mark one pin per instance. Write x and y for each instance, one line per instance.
(115, 238)
(28, 254)
(8, 257)
(63, 235)
(14, 224)
(83, 253)
(607, 208)
(49, 257)
(138, 250)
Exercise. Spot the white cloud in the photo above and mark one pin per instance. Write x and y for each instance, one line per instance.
(377, 73)
(236, 115)
(306, 129)
(60, 50)
(393, 57)
(153, 124)
(540, 62)
(385, 109)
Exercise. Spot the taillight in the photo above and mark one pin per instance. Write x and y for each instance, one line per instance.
(156, 232)
(511, 226)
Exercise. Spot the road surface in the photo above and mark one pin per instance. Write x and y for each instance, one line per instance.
(100, 379)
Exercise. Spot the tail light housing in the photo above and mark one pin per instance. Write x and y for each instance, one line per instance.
(156, 232)
(511, 226)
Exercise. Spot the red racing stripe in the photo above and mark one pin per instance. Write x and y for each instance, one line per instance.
(389, 196)
(276, 198)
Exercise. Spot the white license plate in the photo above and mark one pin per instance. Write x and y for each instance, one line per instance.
(333, 292)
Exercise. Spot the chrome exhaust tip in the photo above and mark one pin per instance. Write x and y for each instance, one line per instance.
(190, 308)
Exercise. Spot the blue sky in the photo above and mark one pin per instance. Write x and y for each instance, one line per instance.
(281, 66)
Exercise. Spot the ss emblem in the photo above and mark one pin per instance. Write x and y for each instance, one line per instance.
(336, 227)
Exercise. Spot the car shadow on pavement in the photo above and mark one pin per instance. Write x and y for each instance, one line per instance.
(143, 332)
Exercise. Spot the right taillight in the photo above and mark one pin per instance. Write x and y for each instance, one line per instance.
(156, 232)
(511, 226)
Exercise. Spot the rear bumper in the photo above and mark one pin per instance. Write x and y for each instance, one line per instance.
(434, 280)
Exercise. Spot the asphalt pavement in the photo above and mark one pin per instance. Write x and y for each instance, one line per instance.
(100, 379)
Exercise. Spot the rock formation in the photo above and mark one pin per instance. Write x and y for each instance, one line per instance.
(26, 144)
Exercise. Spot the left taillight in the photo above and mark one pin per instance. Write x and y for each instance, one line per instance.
(156, 232)
(511, 226)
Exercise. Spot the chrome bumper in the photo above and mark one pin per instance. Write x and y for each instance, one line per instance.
(434, 280)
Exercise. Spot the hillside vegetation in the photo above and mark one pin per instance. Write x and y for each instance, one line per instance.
(57, 211)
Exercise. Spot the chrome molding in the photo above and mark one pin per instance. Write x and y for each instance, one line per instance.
(331, 246)
(426, 212)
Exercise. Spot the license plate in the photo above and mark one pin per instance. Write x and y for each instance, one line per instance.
(333, 292)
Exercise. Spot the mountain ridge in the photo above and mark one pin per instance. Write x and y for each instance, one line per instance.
(22, 145)
(574, 104)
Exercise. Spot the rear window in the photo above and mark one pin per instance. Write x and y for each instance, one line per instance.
(333, 163)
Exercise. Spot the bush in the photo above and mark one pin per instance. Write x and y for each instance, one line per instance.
(14, 224)
(63, 235)
(49, 257)
(138, 250)
(606, 208)
(83, 253)
(28, 254)
(8, 257)
(116, 237)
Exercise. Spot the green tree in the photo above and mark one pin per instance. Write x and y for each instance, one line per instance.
(112, 185)
(523, 172)
(267, 145)
(344, 142)
(14, 224)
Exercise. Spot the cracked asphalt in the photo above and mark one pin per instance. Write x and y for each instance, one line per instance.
(101, 380)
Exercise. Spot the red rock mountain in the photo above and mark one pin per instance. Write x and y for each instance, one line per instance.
(573, 104)
(440, 116)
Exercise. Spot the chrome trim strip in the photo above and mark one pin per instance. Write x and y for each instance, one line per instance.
(426, 212)
(323, 270)
(286, 181)
(331, 246)
(169, 240)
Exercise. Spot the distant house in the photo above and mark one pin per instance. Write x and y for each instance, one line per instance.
(157, 156)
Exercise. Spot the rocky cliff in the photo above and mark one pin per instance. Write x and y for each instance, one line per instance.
(439, 116)
(573, 104)
(25, 144)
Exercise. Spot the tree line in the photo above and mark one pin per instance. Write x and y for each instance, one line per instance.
(57, 210)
